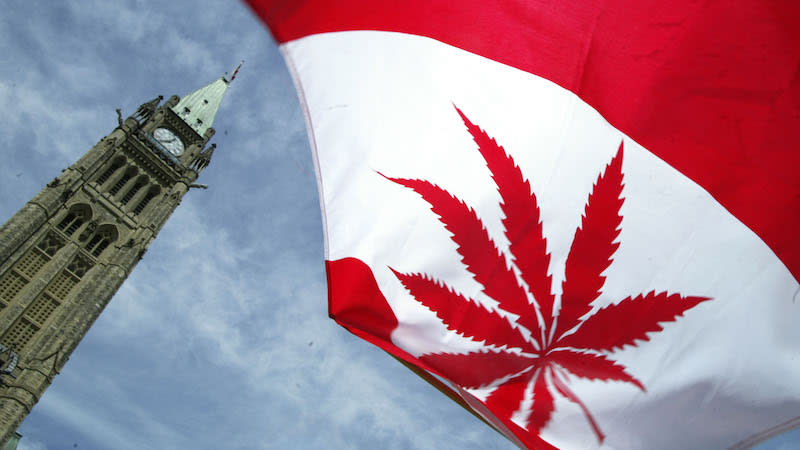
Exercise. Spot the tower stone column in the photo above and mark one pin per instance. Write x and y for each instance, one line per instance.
(68, 250)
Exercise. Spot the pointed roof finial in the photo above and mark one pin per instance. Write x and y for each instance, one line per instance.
(235, 71)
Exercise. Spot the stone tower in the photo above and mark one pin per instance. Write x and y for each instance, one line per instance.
(68, 250)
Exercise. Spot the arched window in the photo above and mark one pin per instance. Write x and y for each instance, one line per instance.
(151, 194)
(105, 235)
(140, 183)
(130, 173)
(116, 164)
(76, 216)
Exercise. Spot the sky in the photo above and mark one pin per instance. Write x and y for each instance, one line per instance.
(220, 337)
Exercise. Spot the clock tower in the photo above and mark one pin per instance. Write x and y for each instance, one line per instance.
(68, 250)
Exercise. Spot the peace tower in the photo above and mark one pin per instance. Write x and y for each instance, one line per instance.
(68, 250)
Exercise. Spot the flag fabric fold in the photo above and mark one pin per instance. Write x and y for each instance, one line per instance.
(582, 218)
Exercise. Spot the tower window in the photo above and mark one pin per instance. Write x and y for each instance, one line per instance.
(100, 247)
(151, 194)
(73, 226)
(140, 183)
(116, 164)
(76, 216)
(30, 264)
(61, 285)
(10, 285)
(67, 221)
(43, 306)
(186, 110)
(199, 122)
(19, 334)
(205, 102)
(12, 282)
(97, 245)
(41, 309)
(130, 173)
(106, 234)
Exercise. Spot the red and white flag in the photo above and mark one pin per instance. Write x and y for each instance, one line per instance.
(584, 216)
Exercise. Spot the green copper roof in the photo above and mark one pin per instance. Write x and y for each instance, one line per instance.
(199, 108)
(13, 441)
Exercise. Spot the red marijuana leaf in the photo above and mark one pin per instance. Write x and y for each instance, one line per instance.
(562, 342)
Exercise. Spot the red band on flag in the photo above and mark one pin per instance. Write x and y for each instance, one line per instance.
(712, 88)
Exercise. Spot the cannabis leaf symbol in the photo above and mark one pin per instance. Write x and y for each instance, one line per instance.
(561, 340)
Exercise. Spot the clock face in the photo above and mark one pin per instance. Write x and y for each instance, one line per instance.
(169, 140)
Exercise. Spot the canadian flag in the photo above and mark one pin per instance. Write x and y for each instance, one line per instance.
(582, 216)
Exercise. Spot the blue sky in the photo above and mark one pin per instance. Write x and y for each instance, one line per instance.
(220, 338)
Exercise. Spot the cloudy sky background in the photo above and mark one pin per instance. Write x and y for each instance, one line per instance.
(220, 338)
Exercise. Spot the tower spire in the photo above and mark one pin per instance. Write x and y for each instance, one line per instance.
(198, 108)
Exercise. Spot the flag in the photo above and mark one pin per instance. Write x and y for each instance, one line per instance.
(580, 217)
